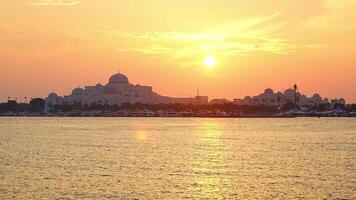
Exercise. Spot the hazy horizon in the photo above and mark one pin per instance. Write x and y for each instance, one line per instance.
(57, 45)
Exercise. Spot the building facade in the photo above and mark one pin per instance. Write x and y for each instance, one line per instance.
(117, 91)
(270, 98)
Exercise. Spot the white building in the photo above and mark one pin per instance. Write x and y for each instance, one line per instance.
(337, 101)
(117, 91)
(270, 98)
(219, 101)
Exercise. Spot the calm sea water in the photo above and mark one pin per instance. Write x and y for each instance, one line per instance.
(177, 158)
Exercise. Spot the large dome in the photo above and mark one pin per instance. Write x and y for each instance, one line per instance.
(77, 91)
(118, 79)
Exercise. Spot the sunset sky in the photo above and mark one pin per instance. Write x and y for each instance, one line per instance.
(57, 45)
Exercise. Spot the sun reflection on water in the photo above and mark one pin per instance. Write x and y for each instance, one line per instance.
(176, 158)
(209, 166)
(141, 135)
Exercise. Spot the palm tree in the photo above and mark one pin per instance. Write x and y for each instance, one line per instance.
(295, 87)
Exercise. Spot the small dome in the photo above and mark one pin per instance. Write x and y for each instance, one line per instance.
(118, 79)
(77, 91)
(289, 92)
(342, 100)
(247, 98)
(99, 86)
(52, 95)
(268, 91)
(316, 95)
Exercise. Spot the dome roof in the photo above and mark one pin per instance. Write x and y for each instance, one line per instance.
(289, 92)
(52, 95)
(247, 98)
(268, 91)
(316, 95)
(118, 79)
(99, 86)
(77, 91)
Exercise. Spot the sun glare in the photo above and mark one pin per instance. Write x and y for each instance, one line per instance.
(210, 61)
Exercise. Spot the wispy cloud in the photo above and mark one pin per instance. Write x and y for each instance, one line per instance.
(54, 2)
(230, 39)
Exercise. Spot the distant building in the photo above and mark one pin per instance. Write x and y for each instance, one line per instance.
(340, 101)
(219, 101)
(117, 91)
(270, 98)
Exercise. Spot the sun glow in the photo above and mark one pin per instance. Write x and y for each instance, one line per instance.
(210, 61)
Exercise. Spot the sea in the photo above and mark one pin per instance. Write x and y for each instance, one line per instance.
(177, 158)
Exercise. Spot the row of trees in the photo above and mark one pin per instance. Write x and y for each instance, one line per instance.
(38, 105)
(35, 105)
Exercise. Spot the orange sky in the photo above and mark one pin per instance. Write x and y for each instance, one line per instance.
(56, 45)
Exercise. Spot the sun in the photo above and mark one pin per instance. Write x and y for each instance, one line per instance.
(210, 61)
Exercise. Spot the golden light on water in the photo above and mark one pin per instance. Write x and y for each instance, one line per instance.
(141, 135)
(176, 158)
(210, 162)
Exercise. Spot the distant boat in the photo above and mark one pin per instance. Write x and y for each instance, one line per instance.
(353, 114)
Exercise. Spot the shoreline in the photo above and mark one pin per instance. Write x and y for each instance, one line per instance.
(183, 114)
(131, 116)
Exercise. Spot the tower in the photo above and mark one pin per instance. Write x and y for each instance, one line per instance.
(198, 96)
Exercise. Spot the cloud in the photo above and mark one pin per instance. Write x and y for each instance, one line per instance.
(54, 2)
(235, 38)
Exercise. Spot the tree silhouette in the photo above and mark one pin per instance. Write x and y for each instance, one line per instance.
(295, 87)
(37, 105)
(11, 105)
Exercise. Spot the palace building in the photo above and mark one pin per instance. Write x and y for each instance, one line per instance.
(270, 98)
(117, 91)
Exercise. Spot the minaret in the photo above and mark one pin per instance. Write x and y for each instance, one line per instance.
(198, 96)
